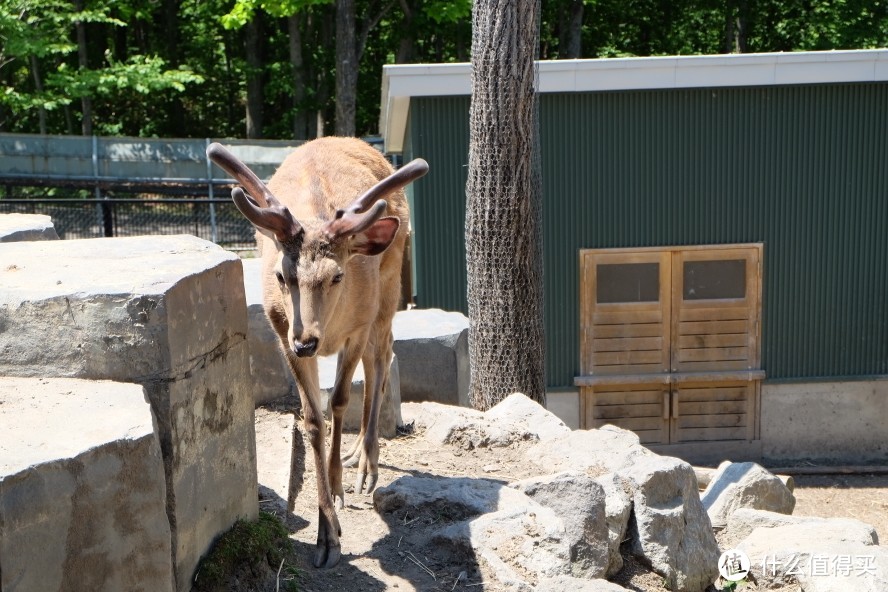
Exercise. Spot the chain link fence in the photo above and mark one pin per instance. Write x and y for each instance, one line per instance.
(212, 219)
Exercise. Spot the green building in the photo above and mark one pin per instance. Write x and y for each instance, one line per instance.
(715, 242)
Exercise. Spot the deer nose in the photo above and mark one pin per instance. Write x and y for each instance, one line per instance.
(307, 348)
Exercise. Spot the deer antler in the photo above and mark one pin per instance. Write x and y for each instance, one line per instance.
(263, 209)
(360, 215)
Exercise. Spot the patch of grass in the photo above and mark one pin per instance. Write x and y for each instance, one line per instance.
(250, 553)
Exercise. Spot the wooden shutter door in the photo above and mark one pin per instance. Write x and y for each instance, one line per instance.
(625, 315)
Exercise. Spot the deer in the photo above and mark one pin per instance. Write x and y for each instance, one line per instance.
(331, 273)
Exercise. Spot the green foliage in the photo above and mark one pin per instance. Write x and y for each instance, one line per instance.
(249, 547)
(178, 67)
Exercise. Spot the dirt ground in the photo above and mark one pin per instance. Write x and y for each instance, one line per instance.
(392, 552)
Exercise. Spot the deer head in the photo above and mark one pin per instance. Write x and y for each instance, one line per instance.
(310, 266)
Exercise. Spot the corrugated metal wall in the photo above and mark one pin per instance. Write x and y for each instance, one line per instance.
(803, 169)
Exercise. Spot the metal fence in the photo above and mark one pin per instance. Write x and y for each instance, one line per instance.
(212, 219)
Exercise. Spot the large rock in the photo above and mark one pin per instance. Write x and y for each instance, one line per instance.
(82, 488)
(271, 376)
(745, 521)
(617, 509)
(744, 485)
(519, 540)
(580, 503)
(168, 313)
(821, 554)
(433, 355)
(389, 411)
(572, 584)
(515, 419)
(669, 528)
(26, 227)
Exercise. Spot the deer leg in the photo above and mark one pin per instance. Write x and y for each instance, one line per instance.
(345, 369)
(377, 361)
(353, 455)
(327, 550)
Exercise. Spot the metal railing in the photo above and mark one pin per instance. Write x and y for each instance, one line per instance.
(212, 219)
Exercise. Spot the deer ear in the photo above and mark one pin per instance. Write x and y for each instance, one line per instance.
(376, 238)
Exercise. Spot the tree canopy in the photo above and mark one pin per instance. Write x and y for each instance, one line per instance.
(196, 68)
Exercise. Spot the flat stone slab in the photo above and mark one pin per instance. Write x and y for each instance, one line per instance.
(26, 227)
(432, 346)
(169, 313)
(82, 488)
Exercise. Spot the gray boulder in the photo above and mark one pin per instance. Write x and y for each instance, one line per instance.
(515, 419)
(580, 503)
(169, 313)
(519, 540)
(26, 227)
(744, 485)
(433, 352)
(82, 488)
(271, 377)
(822, 554)
(572, 584)
(669, 527)
(618, 509)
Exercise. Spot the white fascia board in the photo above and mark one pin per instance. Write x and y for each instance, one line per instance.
(401, 82)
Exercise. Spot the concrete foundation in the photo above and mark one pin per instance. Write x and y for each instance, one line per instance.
(82, 488)
(168, 313)
(826, 422)
(834, 422)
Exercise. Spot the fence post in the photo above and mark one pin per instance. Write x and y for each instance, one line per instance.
(106, 220)
(213, 236)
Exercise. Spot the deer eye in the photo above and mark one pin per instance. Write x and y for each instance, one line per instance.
(280, 278)
(337, 278)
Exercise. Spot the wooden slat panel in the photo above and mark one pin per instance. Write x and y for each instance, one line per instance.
(626, 358)
(715, 366)
(629, 343)
(710, 407)
(712, 327)
(713, 354)
(718, 340)
(722, 313)
(691, 395)
(712, 421)
(627, 317)
(615, 331)
(628, 397)
(629, 369)
(709, 434)
(634, 423)
(618, 411)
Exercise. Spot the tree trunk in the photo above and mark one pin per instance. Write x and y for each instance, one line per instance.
(300, 116)
(38, 86)
(255, 97)
(503, 213)
(346, 68)
(571, 42)
(86, 125)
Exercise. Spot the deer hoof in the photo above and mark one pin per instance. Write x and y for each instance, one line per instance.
(362, 480)
(327, 557)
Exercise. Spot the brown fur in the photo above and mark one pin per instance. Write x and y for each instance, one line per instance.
(351, 317)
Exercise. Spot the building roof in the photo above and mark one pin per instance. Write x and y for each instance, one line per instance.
(401, 82)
